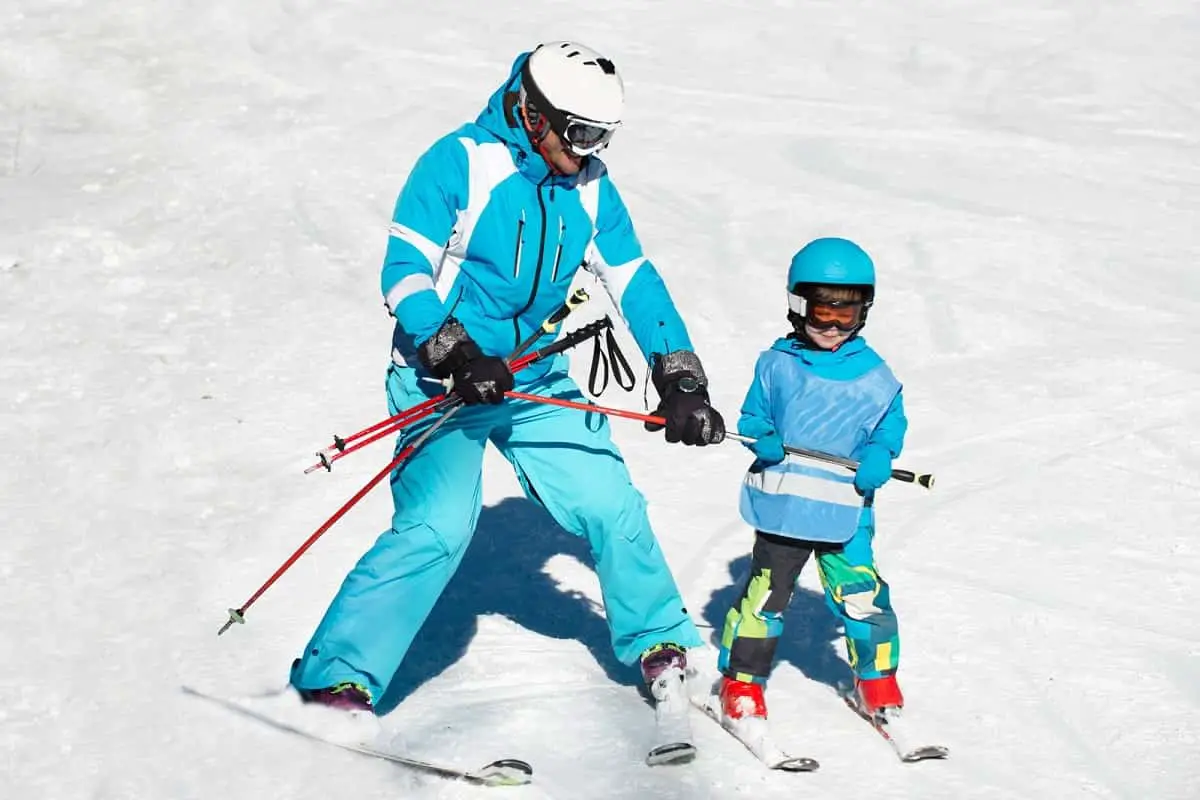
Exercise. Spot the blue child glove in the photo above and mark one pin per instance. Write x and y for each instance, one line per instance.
(768, 448)
(874, 468)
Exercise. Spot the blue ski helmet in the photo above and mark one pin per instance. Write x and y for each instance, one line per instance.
(829, 262)
(832, 262)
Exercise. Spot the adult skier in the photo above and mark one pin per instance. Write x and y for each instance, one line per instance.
(488, 232)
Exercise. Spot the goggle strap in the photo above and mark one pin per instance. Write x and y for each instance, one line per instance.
(557, 119)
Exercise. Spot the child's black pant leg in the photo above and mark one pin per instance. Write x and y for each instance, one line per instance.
(754, 624)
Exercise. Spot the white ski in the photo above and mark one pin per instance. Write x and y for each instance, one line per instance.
(890, 724)
(502, 772)
(754, 733)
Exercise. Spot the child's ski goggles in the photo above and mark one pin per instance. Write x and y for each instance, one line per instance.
(846, 316)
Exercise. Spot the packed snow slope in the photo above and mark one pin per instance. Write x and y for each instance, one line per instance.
(194, 201)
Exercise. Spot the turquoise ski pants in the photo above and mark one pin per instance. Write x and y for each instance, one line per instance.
(566, 461)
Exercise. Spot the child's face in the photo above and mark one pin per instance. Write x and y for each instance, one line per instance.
(828, 339)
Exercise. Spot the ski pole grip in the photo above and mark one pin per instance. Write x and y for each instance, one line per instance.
(577, 298)
(908, 476)
(575, 337)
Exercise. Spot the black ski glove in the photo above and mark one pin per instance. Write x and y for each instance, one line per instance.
(452, 353)
(682, 389)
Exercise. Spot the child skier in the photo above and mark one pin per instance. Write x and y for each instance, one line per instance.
(819, 388)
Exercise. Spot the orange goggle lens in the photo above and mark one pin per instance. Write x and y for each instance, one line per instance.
(844, 317)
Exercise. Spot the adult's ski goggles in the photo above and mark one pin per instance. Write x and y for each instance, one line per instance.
(846, 316)
(584, 136)
(580, 135)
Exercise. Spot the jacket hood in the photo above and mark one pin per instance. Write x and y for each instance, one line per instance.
(501, 117)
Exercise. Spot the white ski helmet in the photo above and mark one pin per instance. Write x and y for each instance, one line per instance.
(574, 90)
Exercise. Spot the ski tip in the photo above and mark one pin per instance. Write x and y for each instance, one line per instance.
(674, 753)
(513, 764)
(504, 772)
(931, 752)
(797, 764)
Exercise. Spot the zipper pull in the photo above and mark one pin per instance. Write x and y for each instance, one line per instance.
(562, 228)
(519, 245)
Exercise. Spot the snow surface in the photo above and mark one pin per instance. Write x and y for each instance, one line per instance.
(193, 208)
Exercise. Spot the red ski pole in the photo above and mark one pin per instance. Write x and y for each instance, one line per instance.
(398, 422)
(238, 615)
(402, 419)
(393, 425)
(452, 405)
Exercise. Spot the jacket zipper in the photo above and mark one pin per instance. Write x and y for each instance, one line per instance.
(537, 273)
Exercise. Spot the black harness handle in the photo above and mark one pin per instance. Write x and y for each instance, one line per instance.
(620, 371)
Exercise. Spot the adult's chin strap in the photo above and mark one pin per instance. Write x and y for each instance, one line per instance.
(537, 137)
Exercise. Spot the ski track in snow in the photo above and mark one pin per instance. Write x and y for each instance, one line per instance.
(193, 205)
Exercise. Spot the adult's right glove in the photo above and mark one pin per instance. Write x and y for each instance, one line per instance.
(452, 353)
(683, 392)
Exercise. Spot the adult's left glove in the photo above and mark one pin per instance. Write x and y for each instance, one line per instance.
(452, 353)
(683, 392)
